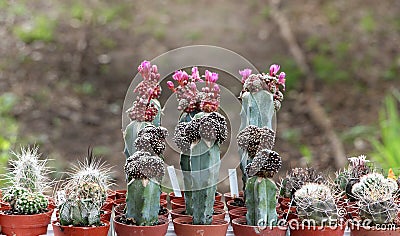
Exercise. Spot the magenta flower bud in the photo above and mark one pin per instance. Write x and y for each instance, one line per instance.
(281, 78)
(214, 77)
(144, 67)
(245, 74)
(216, 88)
(170, 84)
(207, 75)
(273, 69)
(195, 74)
(154, 69)
(193, 86)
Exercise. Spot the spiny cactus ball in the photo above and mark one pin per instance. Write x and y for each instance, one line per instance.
(146, 166)
(31, 203)
(297, 177)
(266, 164)
(375, 187)
(210, 127)
(90, 190)
(252, 139)
(151, 139)
(315, 191)
(12, 194)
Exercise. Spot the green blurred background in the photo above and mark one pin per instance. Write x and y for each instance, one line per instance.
(65, 67)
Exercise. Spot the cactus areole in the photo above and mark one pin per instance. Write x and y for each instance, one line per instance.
(200, 132)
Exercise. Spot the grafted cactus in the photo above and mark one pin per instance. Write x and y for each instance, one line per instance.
(144, 170)
(146, 109)
(261, 189)
(317, 203)
(261, 99)
(376, 195)
(199, 134)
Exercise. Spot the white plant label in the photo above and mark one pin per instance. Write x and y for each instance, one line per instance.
(233, 182)
(174, 181)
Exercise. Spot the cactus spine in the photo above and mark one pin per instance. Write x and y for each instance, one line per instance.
(261, 99)
(144, 170)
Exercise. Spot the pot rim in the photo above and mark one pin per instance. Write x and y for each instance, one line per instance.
(54, 222)
(49, 212)
(243, 218)
(143, 226)
(215, 223)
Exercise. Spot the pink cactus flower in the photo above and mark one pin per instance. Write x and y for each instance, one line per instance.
(180, 76)
(170, 85)
(245, 74)
(273, 69)
(281, 78)
(216, 88)
(195, 74)
(144, 66)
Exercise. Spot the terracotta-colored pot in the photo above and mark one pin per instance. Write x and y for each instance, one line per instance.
(218, 196)
(241, 228)
(297, 229)
(134, 230)
(163, 196)
(290, 214)
(25, 225)
(120, 209)
(163, 203)
(357, 230)
(60, 230)
(280, 199)
(105, 216)
(183, 227)
(172, 196)
(4, 206)
(230, 206)
(237, 213)
(219, 214)
(285, 203)
(52, 203)
(120, 194)
(352, 209)
(177, 203)
(219, 205)
(228, 196)
(111, 195)
(108, 204)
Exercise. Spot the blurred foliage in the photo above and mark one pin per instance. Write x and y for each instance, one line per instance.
(387, 148)
(40, 29)
(8, 129)
(306, 153)
(358, 131)
(368, 23)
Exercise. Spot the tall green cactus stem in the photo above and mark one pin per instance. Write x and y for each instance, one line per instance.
(143, 201)
(133, 128)
(261, 201)
(257, 109)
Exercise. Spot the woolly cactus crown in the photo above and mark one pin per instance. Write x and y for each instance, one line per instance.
(315, 191)
(151, 139)
(252, 139)
(143, 165)
(149, 88)
(375, 187)
(266, 164)
(210, 127)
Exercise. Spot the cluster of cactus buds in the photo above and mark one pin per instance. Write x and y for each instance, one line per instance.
(23, 201)
(252, 139)
(376, 194)
(316, 202)
(211, 127)
(142, 165)
(298, 177)
(142, 109)
(271, 82)
(189, 98)
(151, 139)
(266, 164)
(79, 212)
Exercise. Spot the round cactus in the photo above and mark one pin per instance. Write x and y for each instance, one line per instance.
(31, 203)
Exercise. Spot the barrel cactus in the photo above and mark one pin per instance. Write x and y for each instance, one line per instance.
(146, 109)
(28, 175)
(200, 132)
(261, 189)
(144, 170)
(376, 195)
(85, 192)
(316, 203)
(261, 99)
(297, 177)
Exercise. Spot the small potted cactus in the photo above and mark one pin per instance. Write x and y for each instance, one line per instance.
(200, 132)
(81, 199)
(261, 99)
(260, 196)
(28, 211)
(146, 109)
(317, 211)
(376, 196)
(144, 170)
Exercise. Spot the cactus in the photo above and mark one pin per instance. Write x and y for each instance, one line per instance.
(199, 134)
(261, 99)
(78, 212)
(297, 177)
(317, 203)
(351, 175)
(85, 192)
(144, 170)
(28, 176)
(376, 195)
(261, 189)
(146, 109)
